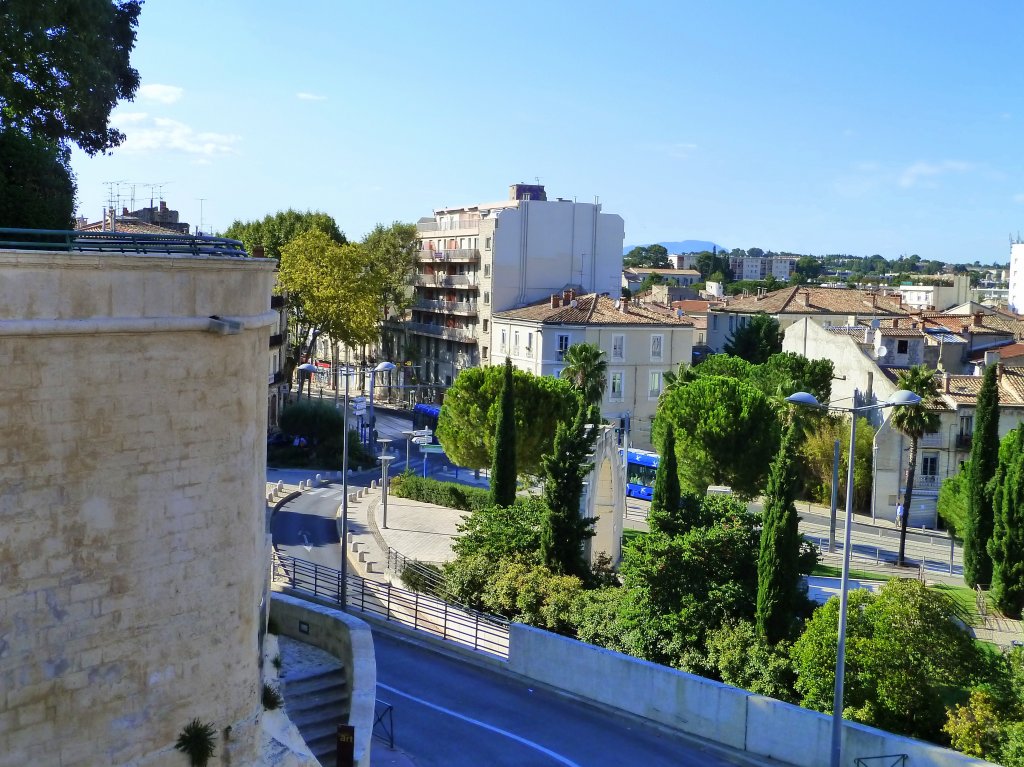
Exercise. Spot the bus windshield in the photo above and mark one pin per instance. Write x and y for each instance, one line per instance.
(641, 475)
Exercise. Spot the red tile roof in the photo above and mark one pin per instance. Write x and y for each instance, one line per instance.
(591, 309)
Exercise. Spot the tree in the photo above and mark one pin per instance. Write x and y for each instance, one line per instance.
(726, 430)
(392, 252)
(817, 452)
(757, 340)
(808, 268)
(587, 370)
(914, 421)
(503, 462)
(1006, 546)
(330, 290)
(66, 65)
(565, 530)
(665, 501)
(779, 593)
(903, 650)
(37, 187)
(650, 257)
(466, 424)
(713, 267)
(271, 234)
(744, 659)
(984, 459)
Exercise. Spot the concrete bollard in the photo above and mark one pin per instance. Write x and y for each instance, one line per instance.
(280, 486)
(373, 484)
(318, 480)
(270, 498)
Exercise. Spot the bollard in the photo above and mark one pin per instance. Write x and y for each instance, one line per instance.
(318, 480)
(373, 484)
(280, 486)
(270, 498)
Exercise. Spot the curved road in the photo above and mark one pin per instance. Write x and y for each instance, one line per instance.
(448, 713)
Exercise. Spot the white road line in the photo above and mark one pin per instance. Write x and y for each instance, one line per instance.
(529, 743)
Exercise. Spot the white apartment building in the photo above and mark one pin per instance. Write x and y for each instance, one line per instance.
(640, 345)
(1016, 296)
(937, 296)
(478, 259)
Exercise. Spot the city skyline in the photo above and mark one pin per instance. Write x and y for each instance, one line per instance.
(793, 127)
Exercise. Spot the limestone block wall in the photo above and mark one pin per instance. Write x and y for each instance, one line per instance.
(131, 505)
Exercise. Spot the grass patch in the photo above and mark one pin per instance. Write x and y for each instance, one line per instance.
(829, 571)
(629, 535)
(965, 600)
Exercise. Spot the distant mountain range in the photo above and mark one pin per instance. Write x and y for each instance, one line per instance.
(686, 246)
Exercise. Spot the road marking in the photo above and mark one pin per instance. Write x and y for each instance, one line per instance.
(529, 743)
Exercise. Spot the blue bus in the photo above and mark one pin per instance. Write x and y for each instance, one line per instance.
(425, 417)
(641, 466)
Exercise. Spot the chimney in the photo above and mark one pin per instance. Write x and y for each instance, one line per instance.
(163, 206)
(874, 300)
(899, 300)
(566, 297)
(945, 382)
(805, 297)
(258, 251)
(991, 357)
(124, 211)
(554, 300)
(624, 307)
(978, 320)
(895, 323)
(999, 372)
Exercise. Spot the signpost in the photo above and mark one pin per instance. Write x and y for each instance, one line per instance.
(346, 746)
(428, 448)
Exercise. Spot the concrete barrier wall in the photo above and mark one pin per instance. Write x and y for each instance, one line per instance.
(349, 640)
(704, 708)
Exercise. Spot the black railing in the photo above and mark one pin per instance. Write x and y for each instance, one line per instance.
(886, 760)
(384, 722)
(119, 242)
(423, 612)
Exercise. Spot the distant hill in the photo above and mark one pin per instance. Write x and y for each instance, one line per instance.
(686, 246)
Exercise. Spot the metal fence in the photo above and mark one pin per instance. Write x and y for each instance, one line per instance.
(119, 242)
(423, 612)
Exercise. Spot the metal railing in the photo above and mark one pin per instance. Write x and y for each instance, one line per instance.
(472, 225)
(453, 334)
(465, 307)
(886, 760)
(384, 722)
(463, 255)
(444, 281)
(119, 242)
(423, 612)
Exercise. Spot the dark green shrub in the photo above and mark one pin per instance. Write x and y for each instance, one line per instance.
(196, 742)
(271, 697)
(422, 576)
(449, 494)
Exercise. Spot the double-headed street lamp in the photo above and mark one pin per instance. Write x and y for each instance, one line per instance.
(804, 399)
(309, 368)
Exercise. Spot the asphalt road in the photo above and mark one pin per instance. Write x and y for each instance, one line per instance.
(305, 528)
(449, 713)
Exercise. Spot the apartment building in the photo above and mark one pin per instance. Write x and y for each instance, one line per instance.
(475, 260)
(640, 344)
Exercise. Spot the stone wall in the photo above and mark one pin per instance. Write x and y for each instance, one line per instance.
(132, 563)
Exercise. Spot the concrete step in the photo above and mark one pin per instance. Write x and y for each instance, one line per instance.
(317, 704)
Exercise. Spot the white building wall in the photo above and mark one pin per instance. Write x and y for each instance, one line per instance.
(1016, 297)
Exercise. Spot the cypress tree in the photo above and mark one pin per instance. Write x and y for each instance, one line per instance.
(778, 573)
(564, 530)
(1006, 546)
(503, 461)
(664, 511)
(984, 459)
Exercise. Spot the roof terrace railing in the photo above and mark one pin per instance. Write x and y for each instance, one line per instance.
(119, 242)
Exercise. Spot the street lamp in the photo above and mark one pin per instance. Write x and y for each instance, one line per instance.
(382, 367)
(385, 462)
(804, 399)
(310, 368)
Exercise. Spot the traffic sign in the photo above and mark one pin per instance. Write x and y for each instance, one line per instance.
(421, 440)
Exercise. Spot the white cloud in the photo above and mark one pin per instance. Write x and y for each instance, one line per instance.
(303, 96)
(156, 134)
(919, 171)
(164, 94)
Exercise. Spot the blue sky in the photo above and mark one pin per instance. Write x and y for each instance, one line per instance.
(811, 127)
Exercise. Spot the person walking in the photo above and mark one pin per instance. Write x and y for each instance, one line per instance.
(899, 514)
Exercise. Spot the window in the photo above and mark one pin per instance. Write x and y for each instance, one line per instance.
(504, 342)
(483, 352)
(714, 322)
(657, 341)
(654, 391)
(902, 346)
(515, 342)
(563, 346)
(615, 386)
(700, 337)
(487, 243)
(930, 466)
(487, 270)
(967, 424)
(487, 297)
(529, 341)
(485, 326)
(732, 322)
(618, 347)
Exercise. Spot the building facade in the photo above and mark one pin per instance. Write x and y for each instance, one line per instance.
(639, 343)
(476, 260)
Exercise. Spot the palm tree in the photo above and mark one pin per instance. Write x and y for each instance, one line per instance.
(587, 370)
(914, 421)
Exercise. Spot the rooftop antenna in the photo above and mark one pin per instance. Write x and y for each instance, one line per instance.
(201, 201)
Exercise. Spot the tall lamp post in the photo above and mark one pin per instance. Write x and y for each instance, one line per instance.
(385, 462)
(804, 399)
(309, 369)
(382, 367)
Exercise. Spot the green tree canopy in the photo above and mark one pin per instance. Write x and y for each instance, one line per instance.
(586, 369)
(392, 253)
(37, 187)
(649, 256)
(757, 340)
(1006, 546)
(503, 459)
(465, 426)
(903, 651)
(66, 65)
(726, 433)
(274, 231)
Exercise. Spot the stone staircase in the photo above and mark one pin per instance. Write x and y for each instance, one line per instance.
(317, 703)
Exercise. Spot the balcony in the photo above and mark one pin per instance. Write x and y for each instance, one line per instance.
(444, 281)
(927, 482)
(450, 307)
(457, 256)
(439, 331)
(931, 440)
(963, 442)
(449, 228)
